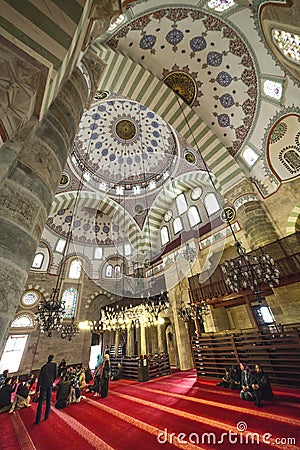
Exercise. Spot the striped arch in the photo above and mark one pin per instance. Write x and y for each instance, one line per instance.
(109, 295)
(124, 76)
(165, 199)
(293, 223)
(108, 206)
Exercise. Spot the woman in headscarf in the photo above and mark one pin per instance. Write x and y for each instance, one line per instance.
(105, 376)
(98, 375)
(262, 389)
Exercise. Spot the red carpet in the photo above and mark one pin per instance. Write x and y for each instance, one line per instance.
(175, 411)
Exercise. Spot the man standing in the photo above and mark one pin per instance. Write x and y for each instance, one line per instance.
(46, 379)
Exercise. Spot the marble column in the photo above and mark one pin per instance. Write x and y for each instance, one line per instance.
(117, 338)
(30, 184)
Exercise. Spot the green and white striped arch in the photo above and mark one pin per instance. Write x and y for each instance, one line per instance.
(293, 223)
(126, 77)
(141, 240)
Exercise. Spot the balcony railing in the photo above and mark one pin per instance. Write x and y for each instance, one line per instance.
(286, 254)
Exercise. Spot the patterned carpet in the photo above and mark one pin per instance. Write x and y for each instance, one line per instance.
(175, 411)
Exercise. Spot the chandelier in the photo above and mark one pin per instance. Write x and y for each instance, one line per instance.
(50, 313)
(156, 305)
(69, 330)
(250, 271)
(193, 311)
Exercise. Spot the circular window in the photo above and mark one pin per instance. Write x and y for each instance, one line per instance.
(65, 180)
(196, 193)
(168, 215)
(30, 298)
(190, 157)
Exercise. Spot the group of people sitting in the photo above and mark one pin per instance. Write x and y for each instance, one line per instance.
(254, 386)
(13, 386)
(70, 386)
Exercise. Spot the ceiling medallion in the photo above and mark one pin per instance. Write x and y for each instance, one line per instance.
(126, 129)
(65, 180)
(183, 84)
(227, 214)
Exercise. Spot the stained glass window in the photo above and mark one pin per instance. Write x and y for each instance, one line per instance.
(69, 300)
(29, 298)
(60, 246)
(196, 193)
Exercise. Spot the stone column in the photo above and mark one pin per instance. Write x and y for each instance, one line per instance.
(252, 215)
(129, 340)
(143, 340)
(28, 188)
(160, 343)
(117, 338)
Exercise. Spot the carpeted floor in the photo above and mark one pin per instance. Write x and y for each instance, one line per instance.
(176, 411)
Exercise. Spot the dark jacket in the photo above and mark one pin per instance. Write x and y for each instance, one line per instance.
(247, 379)
(5, 395)
(262, 380)
(48, 374)
(22, 390)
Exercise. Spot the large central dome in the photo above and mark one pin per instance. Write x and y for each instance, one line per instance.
(122, 143)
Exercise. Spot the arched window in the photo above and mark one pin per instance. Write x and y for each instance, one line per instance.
(109, 271)
(292, 159)
(194, 216)
(181, 204)
(69, 300)
(38, 261)
(75, 269)
(98, 253)
(177, 225)
(164, 235)
(117, 270)
(127, 249)
(211, 203)
(23, 321)
(60, 245)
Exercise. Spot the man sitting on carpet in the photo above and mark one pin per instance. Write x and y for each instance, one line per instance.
(5, 394)
(63, 392)
(22, 398)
